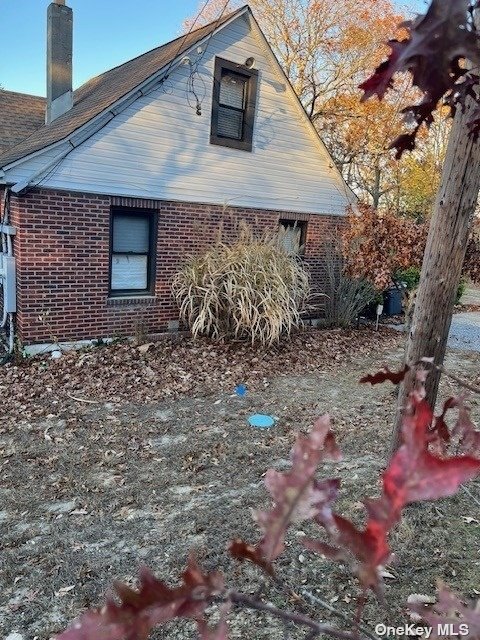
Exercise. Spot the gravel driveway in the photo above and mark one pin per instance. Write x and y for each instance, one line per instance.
(465, 331)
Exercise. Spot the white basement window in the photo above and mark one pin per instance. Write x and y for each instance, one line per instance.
(132, 244)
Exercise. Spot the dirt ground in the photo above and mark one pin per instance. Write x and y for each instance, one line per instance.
(119, 456)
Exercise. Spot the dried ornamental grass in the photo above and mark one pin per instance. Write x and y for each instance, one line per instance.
(346, 297)
(251, 290)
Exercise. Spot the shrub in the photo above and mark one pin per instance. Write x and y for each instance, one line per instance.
(411, 277)
(377, 244)
(461, 290)
(346, 297)
(251, 290)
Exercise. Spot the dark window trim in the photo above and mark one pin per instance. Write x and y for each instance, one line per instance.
(245, 144)
(152, 217)
(303, 232)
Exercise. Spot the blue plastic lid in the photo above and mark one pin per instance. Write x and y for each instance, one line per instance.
(241, 390)
(261, 421)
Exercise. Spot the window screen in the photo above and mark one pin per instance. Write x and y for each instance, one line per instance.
(131, 258)
(232, 105)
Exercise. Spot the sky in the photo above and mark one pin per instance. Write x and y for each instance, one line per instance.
(106, 33)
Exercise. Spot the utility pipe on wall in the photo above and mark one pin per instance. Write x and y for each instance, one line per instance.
(7, 273)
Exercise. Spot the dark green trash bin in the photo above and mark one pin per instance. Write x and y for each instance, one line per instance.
(393, 302)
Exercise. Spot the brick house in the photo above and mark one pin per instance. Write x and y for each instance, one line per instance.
(105, 189)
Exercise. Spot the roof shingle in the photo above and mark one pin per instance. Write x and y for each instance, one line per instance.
(99, 93)
(20, 116)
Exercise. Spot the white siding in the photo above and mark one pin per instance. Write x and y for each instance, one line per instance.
(159, 148)
(24, 170)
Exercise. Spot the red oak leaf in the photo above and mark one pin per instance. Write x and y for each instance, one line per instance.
(436, 43)
(297, 495)
(242, 551)
(385, 374)
(413, 474)
(138, 612)
(416, 474)
(426, 477)
(367, 550)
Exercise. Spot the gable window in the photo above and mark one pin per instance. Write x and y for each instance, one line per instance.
(233, 105)
(293, 235)
(132, 242)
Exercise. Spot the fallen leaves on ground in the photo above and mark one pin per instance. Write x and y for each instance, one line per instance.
(173, 367)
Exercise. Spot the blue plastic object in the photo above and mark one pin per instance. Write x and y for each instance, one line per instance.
(241, 390)
(261, 421)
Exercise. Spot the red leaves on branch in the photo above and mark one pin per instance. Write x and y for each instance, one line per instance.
(434, 53)
(297, 495)
(465, 433)
(375, 244)
(154, 603)
(413, 474)
(449, 610)
(395, 377)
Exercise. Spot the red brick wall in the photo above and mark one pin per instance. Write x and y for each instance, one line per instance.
(62, 251)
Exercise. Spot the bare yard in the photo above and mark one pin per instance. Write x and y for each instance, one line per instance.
(119, 456)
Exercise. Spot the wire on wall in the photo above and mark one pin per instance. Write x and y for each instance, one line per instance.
(184, 39)
(195, 76)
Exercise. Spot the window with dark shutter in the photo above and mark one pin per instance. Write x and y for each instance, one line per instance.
(233, 105)
(132, 253)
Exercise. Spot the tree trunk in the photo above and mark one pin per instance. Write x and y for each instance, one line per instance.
(443, 259)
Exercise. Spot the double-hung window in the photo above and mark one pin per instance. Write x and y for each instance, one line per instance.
(233, 105)
(132, 245)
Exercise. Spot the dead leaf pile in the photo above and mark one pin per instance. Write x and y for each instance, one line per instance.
(173, 367)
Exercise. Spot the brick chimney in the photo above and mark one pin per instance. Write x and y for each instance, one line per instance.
(59, 60)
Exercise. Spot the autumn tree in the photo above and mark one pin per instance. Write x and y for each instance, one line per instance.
(376, 244)
(357, 136)
(442, 54)
(420, 171)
